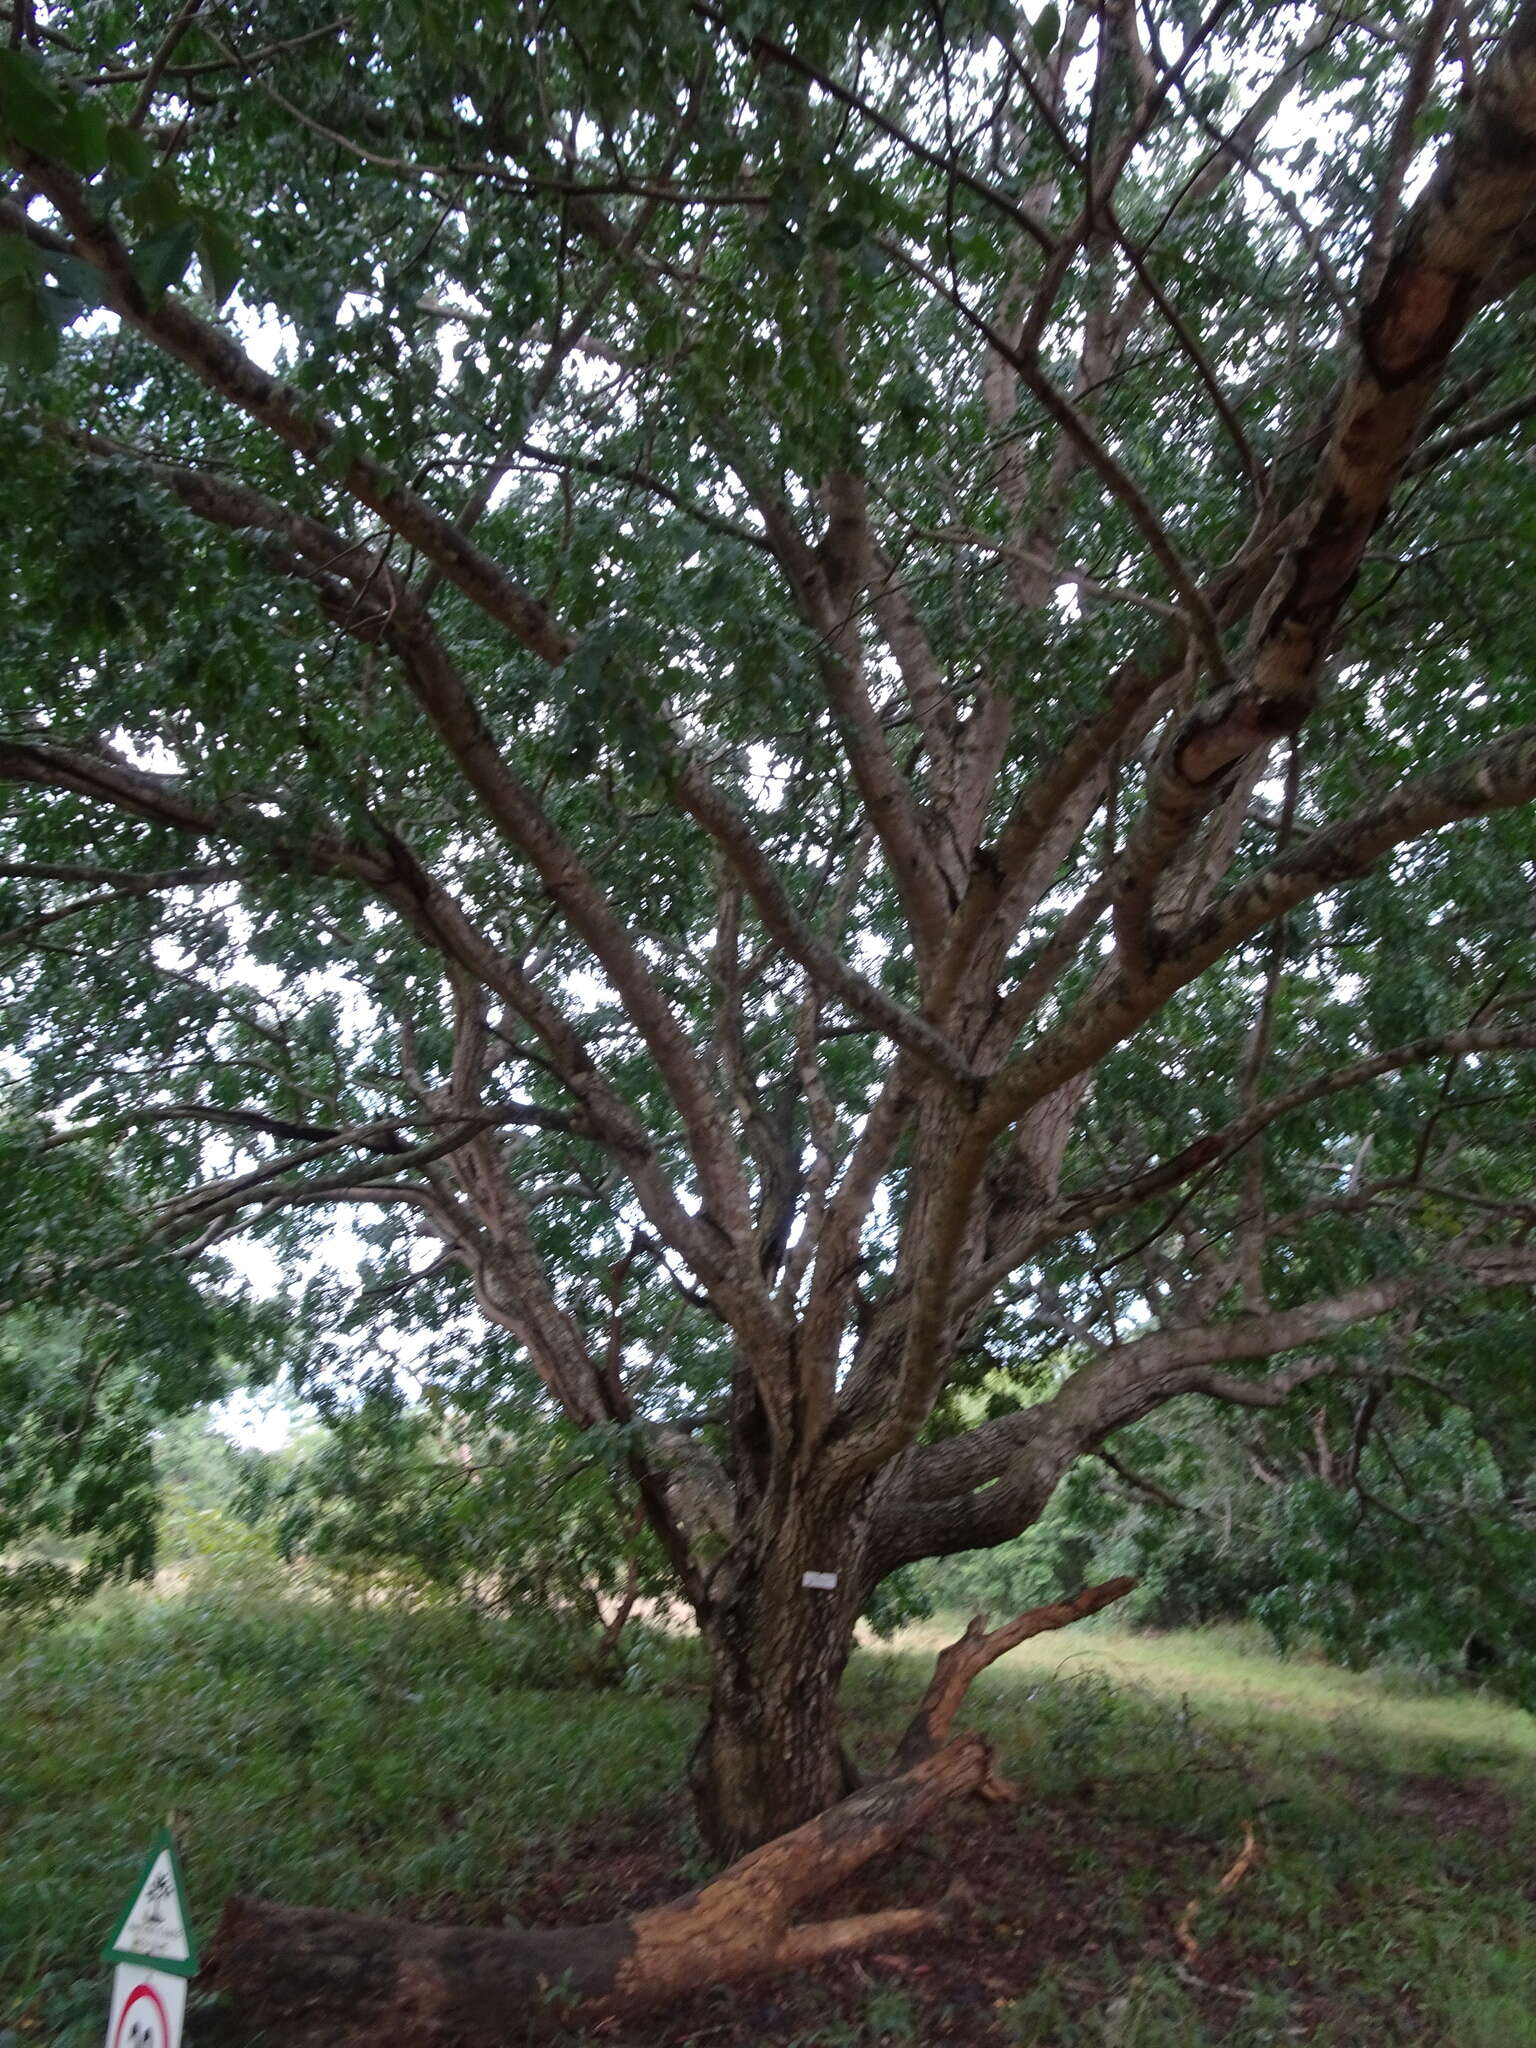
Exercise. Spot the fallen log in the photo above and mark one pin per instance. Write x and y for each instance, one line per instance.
(312, 1978)
(309, 1977)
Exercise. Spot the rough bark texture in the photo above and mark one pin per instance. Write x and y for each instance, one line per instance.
(769, 1756)
(760, 1766)
(310, 1977)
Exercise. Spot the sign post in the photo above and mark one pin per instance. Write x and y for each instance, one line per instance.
(155, 1955)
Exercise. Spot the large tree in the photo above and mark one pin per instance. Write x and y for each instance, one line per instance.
(790, 680)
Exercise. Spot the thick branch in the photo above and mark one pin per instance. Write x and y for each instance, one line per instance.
(1430, 289)
(345, 1980)
(985, 1486)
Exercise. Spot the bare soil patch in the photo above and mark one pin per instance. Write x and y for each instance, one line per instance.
(1026, 1892)
(1458, 1803)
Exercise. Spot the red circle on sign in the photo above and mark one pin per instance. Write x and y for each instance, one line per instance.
(160, 2034)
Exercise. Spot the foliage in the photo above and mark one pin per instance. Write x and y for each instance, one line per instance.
(1399, 1533)
(1426, 1555)
(814, 704)
(81, 1396)
(524, 1517)
(201, 1539)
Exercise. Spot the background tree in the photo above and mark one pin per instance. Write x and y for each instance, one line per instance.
(507, 1511)
(783, 690)
(86, 1375)
(1384, 1523)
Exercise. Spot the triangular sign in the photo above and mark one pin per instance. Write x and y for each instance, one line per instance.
(155, 1929)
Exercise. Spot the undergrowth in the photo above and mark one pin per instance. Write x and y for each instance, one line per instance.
(420, 1761)
(434, 1762)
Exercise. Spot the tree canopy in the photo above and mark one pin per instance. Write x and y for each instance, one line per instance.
(819, 701)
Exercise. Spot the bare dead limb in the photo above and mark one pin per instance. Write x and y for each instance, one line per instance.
(1247, 1857)
(965, 1660)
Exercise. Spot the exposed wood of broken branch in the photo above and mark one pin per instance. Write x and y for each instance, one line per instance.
(342, 1979)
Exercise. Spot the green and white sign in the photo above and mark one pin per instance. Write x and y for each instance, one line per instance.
(155, 1930)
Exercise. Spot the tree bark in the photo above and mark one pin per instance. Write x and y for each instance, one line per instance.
(318, 1979)
(769, 1756)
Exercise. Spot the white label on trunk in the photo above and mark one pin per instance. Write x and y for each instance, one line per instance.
(819, 1582)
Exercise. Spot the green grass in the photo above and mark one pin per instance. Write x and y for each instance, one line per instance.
(1396, 1896)
(1239, 1682)
(434, 1763)
(350, 1756)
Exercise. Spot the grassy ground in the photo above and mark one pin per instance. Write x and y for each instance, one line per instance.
(437, 1765)
(353, 1757)
(1236, 1682)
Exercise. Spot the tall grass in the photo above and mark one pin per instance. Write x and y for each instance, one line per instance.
(421, 1762)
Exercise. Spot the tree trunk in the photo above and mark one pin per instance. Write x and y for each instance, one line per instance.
(769, 1757)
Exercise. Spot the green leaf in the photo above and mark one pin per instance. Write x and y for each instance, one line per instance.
(82, 281)
(37, 112)
(81, 139)
(663, 335)
(61, 306)
(129, 157)
(19, 261)
(1045, 31)
(221, 257)
(350, 442)
(161, 260)
(844, 230)
(155, 203)
(29, 335)
(32, 108)
(29, 322)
